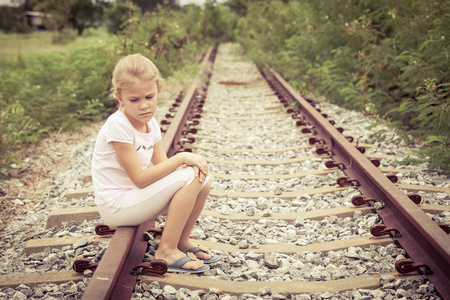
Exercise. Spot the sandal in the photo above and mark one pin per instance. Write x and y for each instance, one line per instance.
(213, 259)
(177, 266)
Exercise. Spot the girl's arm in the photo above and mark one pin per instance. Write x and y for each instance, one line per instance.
(159, 156)
(162, 165)
(158, 153)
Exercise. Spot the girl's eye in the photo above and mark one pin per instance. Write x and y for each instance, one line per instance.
(133, 100)
(149, 97)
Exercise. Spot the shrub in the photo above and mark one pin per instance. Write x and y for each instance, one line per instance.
(386, 58)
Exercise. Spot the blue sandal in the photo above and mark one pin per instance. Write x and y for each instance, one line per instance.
(177, 266)
(213, 259)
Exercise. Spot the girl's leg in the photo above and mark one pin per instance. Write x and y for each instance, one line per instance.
(184, 243)
(180, 210)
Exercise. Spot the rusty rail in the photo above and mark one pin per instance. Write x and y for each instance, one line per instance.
(115, 275)
(179, 126)
(426, 244)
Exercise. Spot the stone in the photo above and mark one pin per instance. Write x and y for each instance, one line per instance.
(271, 260)
(80, 243)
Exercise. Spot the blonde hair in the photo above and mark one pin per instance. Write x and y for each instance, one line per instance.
(130, 68)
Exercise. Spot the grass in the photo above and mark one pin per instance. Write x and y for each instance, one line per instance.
(13, 46)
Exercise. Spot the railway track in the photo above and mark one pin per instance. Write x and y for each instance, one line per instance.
(297, 206)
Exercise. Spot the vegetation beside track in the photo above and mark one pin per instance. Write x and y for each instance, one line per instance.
(389, 59)
(61, 87)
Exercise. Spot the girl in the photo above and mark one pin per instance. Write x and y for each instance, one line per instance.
(130, 191)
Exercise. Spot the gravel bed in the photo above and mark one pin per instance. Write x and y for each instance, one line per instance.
(238, 266)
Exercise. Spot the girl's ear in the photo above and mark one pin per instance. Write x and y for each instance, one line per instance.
(118, 97)
(159, 89)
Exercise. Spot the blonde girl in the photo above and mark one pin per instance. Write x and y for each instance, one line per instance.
(134, 180)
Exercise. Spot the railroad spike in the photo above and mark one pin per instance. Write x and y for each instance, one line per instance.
(375, 162)
(82, 264)
(192, 123)
(444, 227)
(344, 181)
(407, 265)
(154, 231)
(186, 140)
(324, 150)
(313, 140)
(416, 198)
(349, 138)
(155, 267)
(360, 200)
(332, 164)
(301, 123)
(361, 149)
(392, 177)
(103, 229)
(192, 130)
(380, 230)
(308, 130)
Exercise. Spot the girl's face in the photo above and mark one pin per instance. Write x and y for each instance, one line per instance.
(139, 102)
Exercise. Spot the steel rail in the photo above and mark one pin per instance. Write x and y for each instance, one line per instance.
(426, 244)
(178, 125)
(113, 278)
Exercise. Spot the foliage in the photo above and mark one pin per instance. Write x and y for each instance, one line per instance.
(46, 91)
(10, 20)
(173, 38)
(49, 92)
(84, 14)
(16, 130)
(384, 58)
(59, 15)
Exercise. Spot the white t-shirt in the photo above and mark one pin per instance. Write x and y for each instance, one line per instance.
(108, 176)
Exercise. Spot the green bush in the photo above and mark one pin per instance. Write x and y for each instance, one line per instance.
(56, 90)
(387, 58)
(50, 92)
(16, 130)
(174, 38)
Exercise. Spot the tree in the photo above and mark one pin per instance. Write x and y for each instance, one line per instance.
(150, 5)
(80, 14)
(84, 14)
(57, 12)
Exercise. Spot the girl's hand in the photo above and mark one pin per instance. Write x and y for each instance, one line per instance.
(198, 162)
(199, 174)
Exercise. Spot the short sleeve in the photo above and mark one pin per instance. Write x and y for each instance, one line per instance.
(156, 130)
(118, 131)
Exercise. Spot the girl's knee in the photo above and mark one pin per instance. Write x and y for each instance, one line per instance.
(207, 187)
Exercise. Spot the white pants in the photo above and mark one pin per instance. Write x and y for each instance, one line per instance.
(140, 205)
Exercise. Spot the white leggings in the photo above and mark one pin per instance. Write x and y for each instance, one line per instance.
(139, 205)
